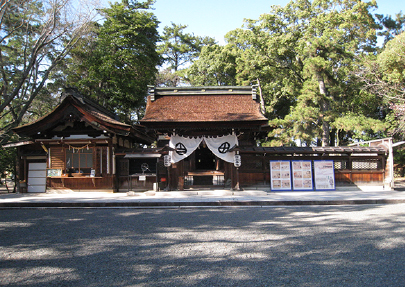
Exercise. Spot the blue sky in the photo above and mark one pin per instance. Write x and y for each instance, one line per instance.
(215, 18)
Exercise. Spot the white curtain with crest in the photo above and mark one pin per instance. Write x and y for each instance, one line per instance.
(220, 146)
(183, 146)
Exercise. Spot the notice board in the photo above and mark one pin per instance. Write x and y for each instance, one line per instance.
(302, 175)
(324, 174)
(280, 175)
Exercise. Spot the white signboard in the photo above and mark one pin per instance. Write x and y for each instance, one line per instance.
(302, 174)
(280, 174)
(324, 174)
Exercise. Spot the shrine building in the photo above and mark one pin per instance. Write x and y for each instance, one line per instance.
(204, 126)
(189, 138)
(209, 138)
(73, 147)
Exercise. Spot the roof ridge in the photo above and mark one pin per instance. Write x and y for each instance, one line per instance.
(201, 90)
(74, 92)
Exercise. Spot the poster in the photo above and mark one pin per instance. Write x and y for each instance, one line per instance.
(280, 175)
(324, 171)
(302, 175)
(52, 172)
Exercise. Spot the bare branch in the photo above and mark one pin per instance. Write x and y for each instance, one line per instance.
(3, 9)
(62, 26)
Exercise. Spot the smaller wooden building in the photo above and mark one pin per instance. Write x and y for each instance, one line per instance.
(359, 165)
(74, 147)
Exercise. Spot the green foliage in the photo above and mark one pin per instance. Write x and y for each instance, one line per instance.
(216, 66)
(7, 161)
(179, 48)
(303, 55)
(321, 73)
(118, 59)
(390, 27)
(358, 124)
(392, 60)
(399, 158)
(384, 77)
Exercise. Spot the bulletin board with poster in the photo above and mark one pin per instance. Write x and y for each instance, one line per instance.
(280, 175)
(324, 174)
(302, 174)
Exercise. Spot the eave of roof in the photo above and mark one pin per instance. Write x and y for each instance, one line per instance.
(142, 151)
(313, 150)
(89, 114)
(17, 144)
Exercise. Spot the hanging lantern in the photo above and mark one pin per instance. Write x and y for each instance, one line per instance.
(167, 159)
(237, 161)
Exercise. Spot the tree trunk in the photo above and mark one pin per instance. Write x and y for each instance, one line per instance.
(333, 137)
(262, 104)
(324, 109)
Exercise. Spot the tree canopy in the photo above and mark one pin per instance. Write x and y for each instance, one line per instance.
(322, 77)
(384, 77)
(118, 59)
(35, 36)
(303, 55)
(179, 49)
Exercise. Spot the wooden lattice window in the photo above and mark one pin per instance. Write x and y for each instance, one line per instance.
(365, 164)
(79, 160)
(341, 164)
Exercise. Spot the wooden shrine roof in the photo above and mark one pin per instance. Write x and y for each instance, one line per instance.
(76, 108)
(203, 106)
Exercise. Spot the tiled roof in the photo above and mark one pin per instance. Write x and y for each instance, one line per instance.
(203, 105)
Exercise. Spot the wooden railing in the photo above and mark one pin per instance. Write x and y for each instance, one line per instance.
(85, 182)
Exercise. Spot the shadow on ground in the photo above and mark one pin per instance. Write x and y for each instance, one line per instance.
(272, 246)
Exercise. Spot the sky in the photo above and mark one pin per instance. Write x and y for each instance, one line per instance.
(215, 18)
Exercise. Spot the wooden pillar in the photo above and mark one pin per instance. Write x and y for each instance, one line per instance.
(168, 178)
(173, 176)
(96, 160)
(234, 176)
(17, 176)
(237, 186)
(109, 158)
(264, 164)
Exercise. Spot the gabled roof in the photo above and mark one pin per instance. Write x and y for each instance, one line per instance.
(75, 107)
(221, 106)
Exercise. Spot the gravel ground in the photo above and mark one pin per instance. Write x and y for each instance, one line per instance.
(360, 245)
